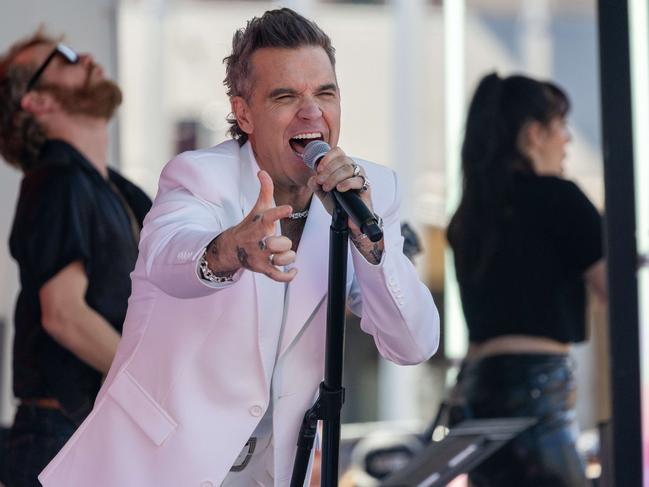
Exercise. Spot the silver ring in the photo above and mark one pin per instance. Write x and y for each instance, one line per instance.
(270, 259)
(356, 170)
(366, 184)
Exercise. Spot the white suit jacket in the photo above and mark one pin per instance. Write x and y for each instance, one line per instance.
(187, 386)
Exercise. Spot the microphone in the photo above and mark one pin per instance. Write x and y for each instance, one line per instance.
(349, 200)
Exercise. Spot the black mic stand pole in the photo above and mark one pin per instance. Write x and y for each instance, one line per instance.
(332, 395)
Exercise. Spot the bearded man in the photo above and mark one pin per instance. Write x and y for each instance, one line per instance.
(74, 237)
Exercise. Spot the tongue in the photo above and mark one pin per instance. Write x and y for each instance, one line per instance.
(298, 145)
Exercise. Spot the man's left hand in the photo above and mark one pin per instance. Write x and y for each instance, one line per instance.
(336, 170)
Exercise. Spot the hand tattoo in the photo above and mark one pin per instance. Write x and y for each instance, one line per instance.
(242, 255)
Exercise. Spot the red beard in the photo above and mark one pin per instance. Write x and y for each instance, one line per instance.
(98, 100)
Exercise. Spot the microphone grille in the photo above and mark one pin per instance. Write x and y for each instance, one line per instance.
(314, 151)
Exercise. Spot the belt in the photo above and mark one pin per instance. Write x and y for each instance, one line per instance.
(42, 402)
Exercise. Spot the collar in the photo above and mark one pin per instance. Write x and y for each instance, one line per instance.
(56, 152)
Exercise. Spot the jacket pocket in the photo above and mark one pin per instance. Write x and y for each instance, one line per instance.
(141, 408)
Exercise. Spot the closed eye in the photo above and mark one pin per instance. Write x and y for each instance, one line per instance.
(282, 94)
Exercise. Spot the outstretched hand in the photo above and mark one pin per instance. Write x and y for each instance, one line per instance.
(252, 244)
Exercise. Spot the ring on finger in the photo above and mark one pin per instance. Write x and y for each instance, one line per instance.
(356, 170)
(366, 184)
(270, 259)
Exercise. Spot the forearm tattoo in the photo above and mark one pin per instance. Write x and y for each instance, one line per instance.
(370, 250)
(377, 253)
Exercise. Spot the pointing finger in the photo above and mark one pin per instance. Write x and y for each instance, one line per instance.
(265, 199)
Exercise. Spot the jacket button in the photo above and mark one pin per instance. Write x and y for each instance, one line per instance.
(256, 410)
(207, 483)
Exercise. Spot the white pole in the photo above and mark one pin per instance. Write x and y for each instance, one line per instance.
(142, 69)
(398, 386)
(455, 342)
(535, 37)
(639, 52)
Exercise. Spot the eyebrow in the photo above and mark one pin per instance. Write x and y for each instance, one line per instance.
(328, 87)
(290, 91)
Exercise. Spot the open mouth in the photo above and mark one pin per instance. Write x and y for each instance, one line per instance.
(299, 141)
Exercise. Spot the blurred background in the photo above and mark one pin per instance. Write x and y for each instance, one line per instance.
(405, 69)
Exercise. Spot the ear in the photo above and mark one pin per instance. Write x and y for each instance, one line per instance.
(535, 133)
(241, 111)
(38, 103)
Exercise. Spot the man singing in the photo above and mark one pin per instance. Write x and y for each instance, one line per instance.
(223, 344)
(74, 238)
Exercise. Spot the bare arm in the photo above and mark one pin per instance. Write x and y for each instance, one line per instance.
(69, 320)
(596, 278)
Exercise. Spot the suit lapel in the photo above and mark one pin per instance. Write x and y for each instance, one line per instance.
(310, 285)
(269, 294)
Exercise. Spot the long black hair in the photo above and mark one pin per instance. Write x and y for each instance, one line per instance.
(491, 154)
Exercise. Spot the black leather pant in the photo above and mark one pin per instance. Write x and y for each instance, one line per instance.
(540, 385)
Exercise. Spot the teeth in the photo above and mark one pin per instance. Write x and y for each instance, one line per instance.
(310, 135)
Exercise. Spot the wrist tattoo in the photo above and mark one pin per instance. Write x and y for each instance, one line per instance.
(211, 247)
(370, 250)
(213, 251)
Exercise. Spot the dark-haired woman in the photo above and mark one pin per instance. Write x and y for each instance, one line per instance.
(526, 242)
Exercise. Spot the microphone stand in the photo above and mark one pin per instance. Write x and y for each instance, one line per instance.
(332, 395)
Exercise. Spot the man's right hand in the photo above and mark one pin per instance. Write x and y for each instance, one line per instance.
(252, 244)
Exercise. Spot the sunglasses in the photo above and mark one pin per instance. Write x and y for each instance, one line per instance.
(64, 51)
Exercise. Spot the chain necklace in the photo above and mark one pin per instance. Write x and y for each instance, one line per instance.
(298, 215)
